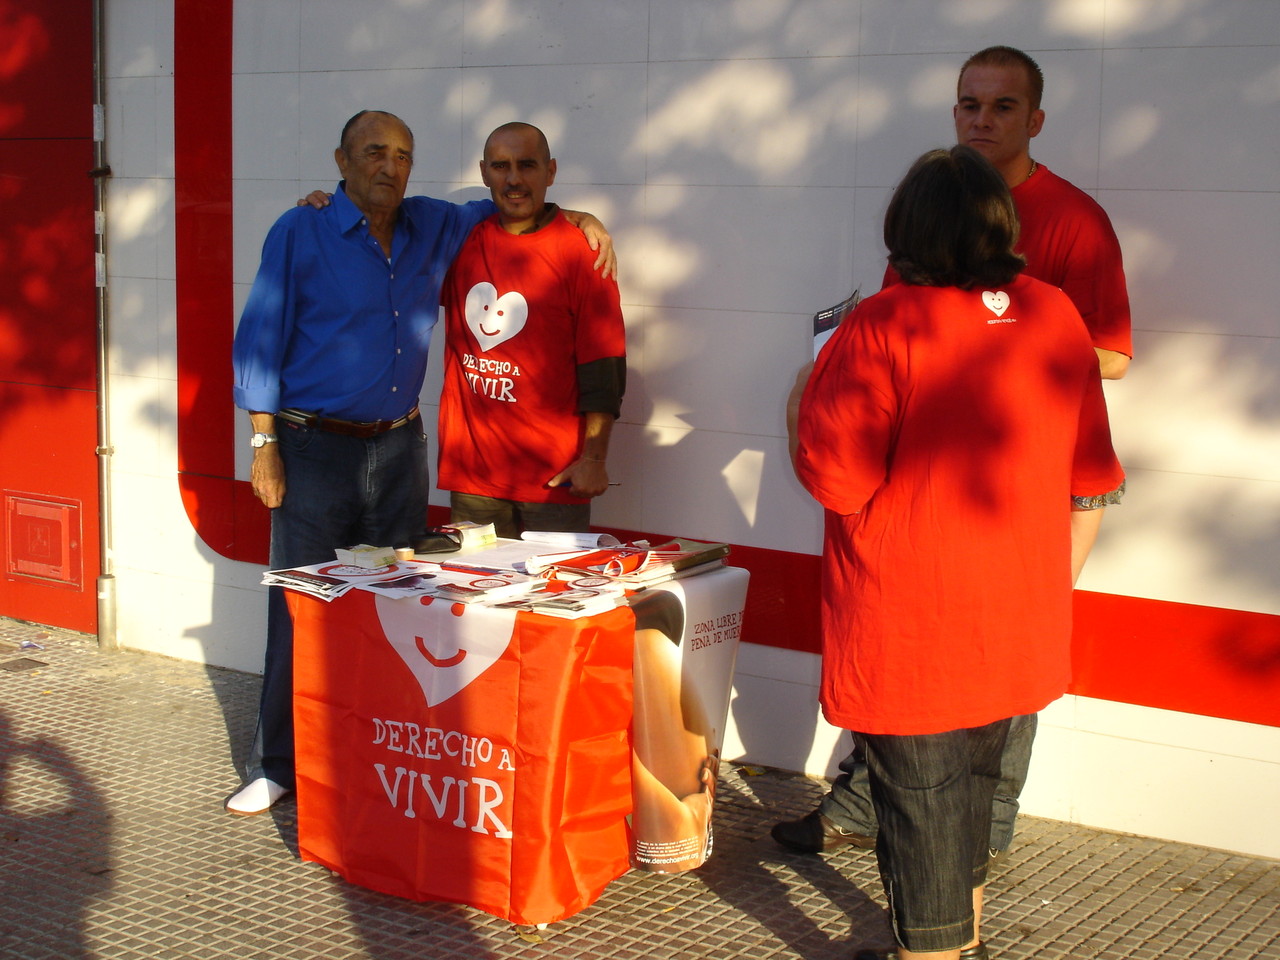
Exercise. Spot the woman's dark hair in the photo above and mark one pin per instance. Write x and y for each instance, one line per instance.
(952, 223)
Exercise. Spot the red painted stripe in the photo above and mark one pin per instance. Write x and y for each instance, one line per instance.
(1176, 656)
(202, 194)
(222, 510)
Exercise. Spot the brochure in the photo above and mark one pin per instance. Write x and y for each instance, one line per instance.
(568, 604)
(332, 579)
(638, 565)
(826, 321)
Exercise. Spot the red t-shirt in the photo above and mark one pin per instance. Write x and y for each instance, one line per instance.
(1069, 242)
(945, 431)
(521, 313)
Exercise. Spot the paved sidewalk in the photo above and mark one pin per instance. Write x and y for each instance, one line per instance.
(114, 845)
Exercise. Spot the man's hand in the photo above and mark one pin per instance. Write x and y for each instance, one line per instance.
(585, 478)
(267, 475)
(597, 239)
(319, 199)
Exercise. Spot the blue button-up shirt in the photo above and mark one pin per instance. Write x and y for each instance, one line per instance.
(334, 327)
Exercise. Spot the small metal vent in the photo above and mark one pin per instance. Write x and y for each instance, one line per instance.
(43, 539)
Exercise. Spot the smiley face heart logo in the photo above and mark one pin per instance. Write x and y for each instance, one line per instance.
(495, 319)
(444, 645)
(997, 302)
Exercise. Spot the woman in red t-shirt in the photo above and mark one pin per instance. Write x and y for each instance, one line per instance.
(950, 427)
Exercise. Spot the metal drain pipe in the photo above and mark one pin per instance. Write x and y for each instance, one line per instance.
(108, 642)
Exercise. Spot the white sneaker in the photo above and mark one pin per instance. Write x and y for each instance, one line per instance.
(257, 796)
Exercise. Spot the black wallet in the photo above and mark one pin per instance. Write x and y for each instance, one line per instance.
(437, 540)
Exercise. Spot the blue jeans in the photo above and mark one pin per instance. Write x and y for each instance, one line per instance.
(848, 804)
(339, 491)
(932, 796)
(510, 518)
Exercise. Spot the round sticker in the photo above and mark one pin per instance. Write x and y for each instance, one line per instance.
(347, 570)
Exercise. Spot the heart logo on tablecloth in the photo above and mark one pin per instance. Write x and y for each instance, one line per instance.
(445, 645)
(495, 319)
(997, 302)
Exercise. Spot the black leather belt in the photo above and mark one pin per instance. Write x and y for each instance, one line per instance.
(348, 428)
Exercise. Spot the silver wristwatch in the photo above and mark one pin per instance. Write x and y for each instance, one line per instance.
(262, 439)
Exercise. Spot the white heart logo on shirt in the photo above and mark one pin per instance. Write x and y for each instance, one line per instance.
(492, 318)
(997, 302)
(463, 643)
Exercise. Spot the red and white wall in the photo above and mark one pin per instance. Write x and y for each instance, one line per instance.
(742, 153)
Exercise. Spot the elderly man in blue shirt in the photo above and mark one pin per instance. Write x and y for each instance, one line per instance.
(329, 359)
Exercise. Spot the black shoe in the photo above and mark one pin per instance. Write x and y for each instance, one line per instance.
(814, 833)
(978, 952)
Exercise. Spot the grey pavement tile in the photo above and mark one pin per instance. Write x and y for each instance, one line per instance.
(114, 845)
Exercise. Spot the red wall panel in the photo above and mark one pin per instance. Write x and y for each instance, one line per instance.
(49, 514)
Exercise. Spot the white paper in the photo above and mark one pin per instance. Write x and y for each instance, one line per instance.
(571, 541)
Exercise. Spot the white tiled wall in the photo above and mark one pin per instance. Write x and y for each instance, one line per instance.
(741, 152)
(1157, 773)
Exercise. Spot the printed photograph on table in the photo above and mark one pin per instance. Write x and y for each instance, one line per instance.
(686, 648)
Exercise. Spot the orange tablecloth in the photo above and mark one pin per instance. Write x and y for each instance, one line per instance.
(464, 754)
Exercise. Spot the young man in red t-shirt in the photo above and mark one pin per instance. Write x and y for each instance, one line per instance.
(535, 355)
(1068, 242)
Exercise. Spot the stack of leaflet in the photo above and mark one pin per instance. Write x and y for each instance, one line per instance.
(581, 597)
(328, 581)
(637, 565)
(366, 556)
(472, 534)
(317, 585)
(461, 584)
(483, 585)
